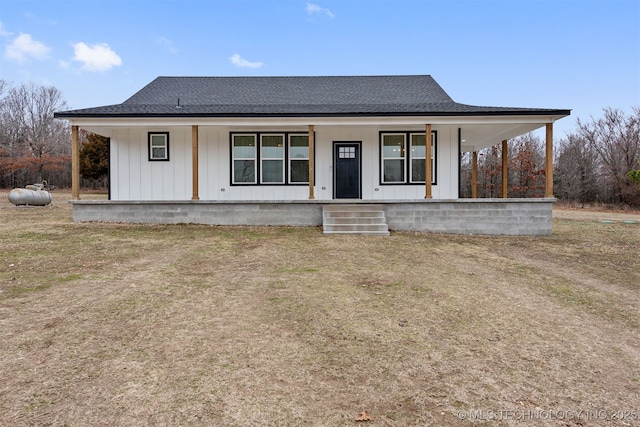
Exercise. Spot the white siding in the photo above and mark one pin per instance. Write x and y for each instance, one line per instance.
(134, 177)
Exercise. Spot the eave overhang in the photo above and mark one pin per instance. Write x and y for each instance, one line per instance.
(78, 114)
(304, 119)
(479, 129)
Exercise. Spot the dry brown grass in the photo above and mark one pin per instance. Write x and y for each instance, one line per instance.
(119, 325)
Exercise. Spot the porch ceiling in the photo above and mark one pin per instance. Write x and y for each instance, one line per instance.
(478, 137)
(477, 132)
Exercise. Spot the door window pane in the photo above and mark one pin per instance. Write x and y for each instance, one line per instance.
(347, 152)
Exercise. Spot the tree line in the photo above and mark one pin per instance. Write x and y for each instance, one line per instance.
(599, 162)
(36, 147)
(33, 145)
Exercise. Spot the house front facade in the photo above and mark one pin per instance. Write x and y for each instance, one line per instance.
(276, 150)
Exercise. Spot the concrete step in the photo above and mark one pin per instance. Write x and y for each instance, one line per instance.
(351, 208)
(355, 214)
(354, 219)
(356, 228)
(351, 220)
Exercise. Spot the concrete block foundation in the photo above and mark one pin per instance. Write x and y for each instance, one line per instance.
(459, 216)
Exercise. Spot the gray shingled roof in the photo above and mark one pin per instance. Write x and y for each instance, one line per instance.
(293, 96)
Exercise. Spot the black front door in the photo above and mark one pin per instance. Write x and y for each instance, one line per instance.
(346, 170)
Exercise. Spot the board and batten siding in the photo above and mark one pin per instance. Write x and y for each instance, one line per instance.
(134, 177)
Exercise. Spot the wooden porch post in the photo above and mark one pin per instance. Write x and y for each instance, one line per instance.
(194, 163)
(505, 168)
(427, 163)
(548, 170)
(75, 164)
(474, 175)
(311, 162)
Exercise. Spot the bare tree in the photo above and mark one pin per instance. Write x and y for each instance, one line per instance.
(31, 140)
(576, 171)
(616, 139)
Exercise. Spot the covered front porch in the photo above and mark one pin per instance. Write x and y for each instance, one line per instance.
(199, 156)
(423, 213)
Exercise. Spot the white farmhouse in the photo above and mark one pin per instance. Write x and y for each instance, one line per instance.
(294, 150)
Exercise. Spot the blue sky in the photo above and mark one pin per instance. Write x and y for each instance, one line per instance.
(582, 55)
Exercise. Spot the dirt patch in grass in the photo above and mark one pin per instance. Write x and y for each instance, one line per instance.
(116, 324)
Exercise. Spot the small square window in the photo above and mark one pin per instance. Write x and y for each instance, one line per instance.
(347, 152)
(158, 146)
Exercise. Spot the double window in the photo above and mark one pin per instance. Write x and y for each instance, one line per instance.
(158, 146)
(269, 158)
(403, 156)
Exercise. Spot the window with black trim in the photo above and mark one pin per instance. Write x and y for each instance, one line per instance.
(270, 158)
(299, 159)
(159, 146)
(403, 156)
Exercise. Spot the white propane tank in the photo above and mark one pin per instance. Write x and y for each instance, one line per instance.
(23, 196)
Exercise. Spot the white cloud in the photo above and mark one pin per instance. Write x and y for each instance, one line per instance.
(4, 32)
(65, 65)
(238, 61)
(314, 8)
(167, 43)
(24, 47)
(98, 57)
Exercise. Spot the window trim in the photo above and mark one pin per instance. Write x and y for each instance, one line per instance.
(254, 158)
(408, 158)
(403, 157)
(281, 159)
(291, 159)
(150, 136)
(258, 159)
(410, 163)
